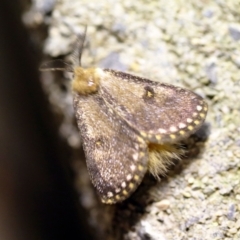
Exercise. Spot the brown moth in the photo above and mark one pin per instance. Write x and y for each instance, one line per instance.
(128, 124)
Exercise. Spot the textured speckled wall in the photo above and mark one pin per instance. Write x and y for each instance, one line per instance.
(193, 44)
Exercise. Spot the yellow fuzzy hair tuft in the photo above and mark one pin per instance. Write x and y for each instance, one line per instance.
(161, 157)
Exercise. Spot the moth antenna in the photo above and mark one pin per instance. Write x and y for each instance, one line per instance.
(82, 45)
(56, 65)
(78, 48)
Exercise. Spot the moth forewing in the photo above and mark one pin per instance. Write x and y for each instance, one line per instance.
(117, 158)
(159, 112)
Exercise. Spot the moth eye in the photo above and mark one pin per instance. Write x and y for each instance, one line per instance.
(149, 93)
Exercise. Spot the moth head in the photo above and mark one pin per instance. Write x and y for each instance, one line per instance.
(86, 81)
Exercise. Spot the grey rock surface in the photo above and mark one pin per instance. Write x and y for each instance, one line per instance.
(192, 44)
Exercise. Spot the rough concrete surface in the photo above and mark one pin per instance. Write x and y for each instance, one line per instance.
(192, 44)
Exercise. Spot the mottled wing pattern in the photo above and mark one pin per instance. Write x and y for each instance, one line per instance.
(158, 112)
(116, 156)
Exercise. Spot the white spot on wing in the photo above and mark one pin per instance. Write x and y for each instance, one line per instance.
(161, 130)
(110, 194)
(133, 167)
(173, 129)
(182, 125)
(135, 156)
(129, 177)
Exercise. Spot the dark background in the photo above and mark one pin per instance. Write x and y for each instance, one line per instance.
(37, 200)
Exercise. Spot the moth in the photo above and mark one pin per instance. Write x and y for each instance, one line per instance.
(128, 124)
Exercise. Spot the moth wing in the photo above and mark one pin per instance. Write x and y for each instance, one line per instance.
(116, 156)
(158, 112)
